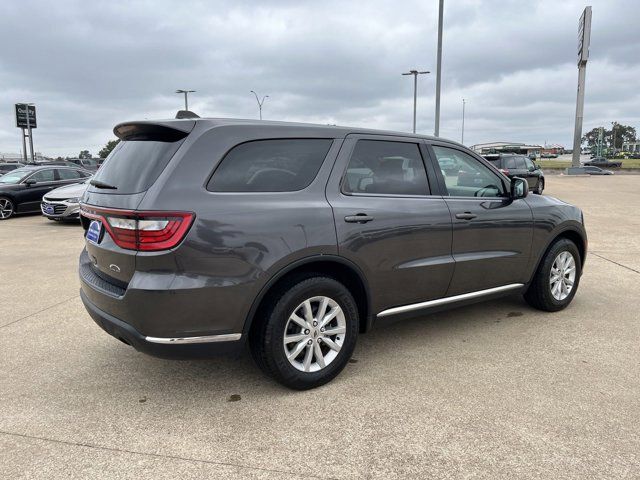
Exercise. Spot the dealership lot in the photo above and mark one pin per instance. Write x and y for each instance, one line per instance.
(496, 390)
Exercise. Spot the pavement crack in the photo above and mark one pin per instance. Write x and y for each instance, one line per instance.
(159, 455)
(613, 261)
(39, 311)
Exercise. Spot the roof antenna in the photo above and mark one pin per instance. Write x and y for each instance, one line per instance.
(186, 114)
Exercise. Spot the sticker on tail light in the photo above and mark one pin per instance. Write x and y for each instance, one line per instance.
(142, 231)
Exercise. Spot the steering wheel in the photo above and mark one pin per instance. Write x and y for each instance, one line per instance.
(481, 192)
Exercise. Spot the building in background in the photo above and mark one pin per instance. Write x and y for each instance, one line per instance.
(17, 157)
(553, 149)
(507, 147)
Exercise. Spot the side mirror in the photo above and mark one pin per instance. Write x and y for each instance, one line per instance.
(519, 188)
(30, 182)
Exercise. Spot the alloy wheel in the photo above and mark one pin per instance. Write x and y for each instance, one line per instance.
(6, 208)
(562, 276)
(314, 334)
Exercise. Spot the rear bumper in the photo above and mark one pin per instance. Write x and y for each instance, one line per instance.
(164, 347)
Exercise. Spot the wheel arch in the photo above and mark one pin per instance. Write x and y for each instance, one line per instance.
(572, 233)
(334, 266)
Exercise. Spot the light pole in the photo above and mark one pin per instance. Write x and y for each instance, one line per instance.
(260, 103)
(439, 67)
(463, 104)
(415, 74)
(186, 100)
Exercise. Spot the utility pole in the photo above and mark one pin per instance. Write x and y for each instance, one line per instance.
(186, 99)
(439, 68)
(415, 74)
(463, 104)
(584, 38)
(260, 103)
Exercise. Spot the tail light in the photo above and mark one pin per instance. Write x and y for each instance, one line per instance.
(145, 231)
(504, 170)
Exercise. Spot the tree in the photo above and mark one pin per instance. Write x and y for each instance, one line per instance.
(111, 144)
(84, 154)
(618, 133)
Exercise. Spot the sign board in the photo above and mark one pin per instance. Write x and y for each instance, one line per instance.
(584, 36)
(21, 115)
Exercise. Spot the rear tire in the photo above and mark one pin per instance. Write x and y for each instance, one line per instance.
(294, 345)
(539, 187)
(7, 209)
(556, 281)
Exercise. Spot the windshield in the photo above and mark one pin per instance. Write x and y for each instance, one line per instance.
(14, 177)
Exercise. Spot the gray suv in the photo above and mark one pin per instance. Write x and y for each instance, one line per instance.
(205, 234)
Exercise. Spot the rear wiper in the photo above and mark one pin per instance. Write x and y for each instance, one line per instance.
(99, 184)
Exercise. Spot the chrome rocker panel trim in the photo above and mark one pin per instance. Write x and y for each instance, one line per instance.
(445, 300)
(227, 337)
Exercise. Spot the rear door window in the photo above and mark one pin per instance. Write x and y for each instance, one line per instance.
(520, 163)
(68, 174)
(510, 163)
(278, 165)
(386, 167)
(134, 165)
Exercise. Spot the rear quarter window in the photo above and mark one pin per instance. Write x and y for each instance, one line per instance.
(278, 165)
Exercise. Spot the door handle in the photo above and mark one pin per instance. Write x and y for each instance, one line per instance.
(359, 218)
(466, 216)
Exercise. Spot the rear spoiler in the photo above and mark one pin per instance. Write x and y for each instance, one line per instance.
(170, 131)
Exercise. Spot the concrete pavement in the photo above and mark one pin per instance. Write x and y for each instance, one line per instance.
(495, 390)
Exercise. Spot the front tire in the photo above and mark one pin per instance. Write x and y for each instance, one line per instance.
(7, 209)
(308, 334)
(539, 187)
(556, 281)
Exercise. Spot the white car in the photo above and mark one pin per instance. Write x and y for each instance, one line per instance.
(64, 203)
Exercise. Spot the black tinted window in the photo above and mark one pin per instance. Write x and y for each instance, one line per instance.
(510, 163)
(283, 165)
(133, 166)
(68, 174)
(520, 163)
(393, 168)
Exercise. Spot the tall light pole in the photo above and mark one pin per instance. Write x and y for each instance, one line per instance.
(463, 104)
(186, 100)
(260, 102)
(415, 74)
(439, 67)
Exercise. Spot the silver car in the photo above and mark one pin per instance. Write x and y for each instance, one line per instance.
(64, 203)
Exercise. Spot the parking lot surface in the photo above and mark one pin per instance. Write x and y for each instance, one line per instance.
(495, 390)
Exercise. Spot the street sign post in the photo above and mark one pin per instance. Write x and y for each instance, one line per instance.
(584, 39)
(26, 120)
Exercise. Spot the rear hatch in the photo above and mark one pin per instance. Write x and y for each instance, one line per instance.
(115, 230)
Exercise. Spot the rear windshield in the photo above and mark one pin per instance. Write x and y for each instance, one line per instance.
(135, 165)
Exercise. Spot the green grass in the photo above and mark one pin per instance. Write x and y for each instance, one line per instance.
(626, 163)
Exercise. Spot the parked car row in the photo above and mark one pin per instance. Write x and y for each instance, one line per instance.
(22, 190)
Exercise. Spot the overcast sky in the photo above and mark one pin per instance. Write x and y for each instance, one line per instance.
(89, 65)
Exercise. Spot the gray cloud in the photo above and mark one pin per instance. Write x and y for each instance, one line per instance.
(90, 65)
